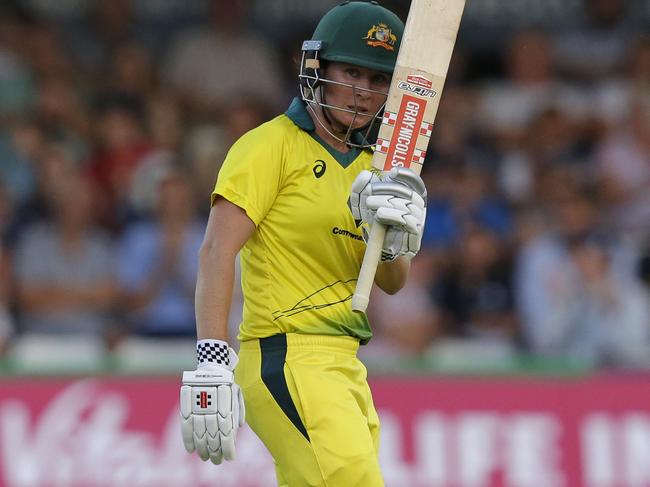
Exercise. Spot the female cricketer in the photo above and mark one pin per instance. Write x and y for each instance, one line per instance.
(294, 198)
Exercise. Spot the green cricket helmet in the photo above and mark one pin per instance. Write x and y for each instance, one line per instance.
(360, 33)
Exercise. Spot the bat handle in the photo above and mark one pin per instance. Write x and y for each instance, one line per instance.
(368, 270)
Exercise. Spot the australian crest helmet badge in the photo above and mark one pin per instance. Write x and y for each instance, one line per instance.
(381, 35)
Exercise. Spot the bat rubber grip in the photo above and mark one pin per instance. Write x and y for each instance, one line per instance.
(368, 267)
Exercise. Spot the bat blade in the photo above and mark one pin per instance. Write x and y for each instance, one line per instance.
(416, 87)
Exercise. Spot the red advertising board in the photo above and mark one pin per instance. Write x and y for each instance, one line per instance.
(436, 432)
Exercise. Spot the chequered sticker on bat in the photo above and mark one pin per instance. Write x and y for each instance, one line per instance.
(418, 156)
(382, 146)
(389, 118)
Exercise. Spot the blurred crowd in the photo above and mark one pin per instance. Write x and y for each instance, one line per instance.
(113, 127)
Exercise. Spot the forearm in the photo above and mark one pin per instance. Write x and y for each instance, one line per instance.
(229, 228)
(391, 276)
(213, 294)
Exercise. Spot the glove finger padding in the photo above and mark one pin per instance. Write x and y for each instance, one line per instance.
(228, 447)
(209, 424)
(240, 411)
(200, 436)
(213, 439)
(216, 457)
(398, 200)
(408, 178)
(399, 242)
(399, 183)
(361, 189)
(392, 199)
(187, 430)
(391, 188)
(405, 214)
(211, 409)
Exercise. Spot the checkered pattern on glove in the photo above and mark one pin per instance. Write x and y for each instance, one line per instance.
(212, 352)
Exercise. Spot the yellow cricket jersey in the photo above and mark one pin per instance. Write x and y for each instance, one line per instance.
(300, 266)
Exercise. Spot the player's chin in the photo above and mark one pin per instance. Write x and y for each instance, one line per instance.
(357, 121)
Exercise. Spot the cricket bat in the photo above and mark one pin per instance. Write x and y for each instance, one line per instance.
(413, 99)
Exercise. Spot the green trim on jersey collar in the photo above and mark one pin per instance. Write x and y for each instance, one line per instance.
(297, 113)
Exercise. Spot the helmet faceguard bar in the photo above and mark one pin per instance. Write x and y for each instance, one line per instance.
(311, 86)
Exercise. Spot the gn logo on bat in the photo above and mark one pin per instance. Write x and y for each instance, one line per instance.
(417, 90)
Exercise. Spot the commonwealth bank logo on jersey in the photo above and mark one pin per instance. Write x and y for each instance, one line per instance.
(381, 35)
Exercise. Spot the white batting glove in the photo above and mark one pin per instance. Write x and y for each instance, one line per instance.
(212, 407)
(398, 200)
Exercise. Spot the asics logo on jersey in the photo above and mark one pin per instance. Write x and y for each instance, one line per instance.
(319, 169)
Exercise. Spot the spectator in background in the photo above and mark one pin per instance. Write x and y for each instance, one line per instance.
(475, 292)
(507, 106)
(467, 196)
(546, 272)
(164, 125)
(208, 143)
(165, 122)
(16, 81)
(205, 148)
(63, 114)
(552, 143)
(157, 263)
(612, 97)
(543, 268)
(20, 148)
(132, 70)
(455, 140)
(121, 148)
(623, 165)
(597, 46)
(7, 327)
(63, 267)
(554, 139)
(7, 208)
(599, 318)
(208, 65)
(45, 52)
(51, 168)
(553, 146)
(245, 112)
(91, 43)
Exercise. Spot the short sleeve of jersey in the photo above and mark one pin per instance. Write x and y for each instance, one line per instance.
(251, 174)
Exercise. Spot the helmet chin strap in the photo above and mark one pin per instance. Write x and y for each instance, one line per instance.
(324, 110)
(323, 126)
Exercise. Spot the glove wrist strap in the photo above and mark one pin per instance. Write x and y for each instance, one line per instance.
(212, 352)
